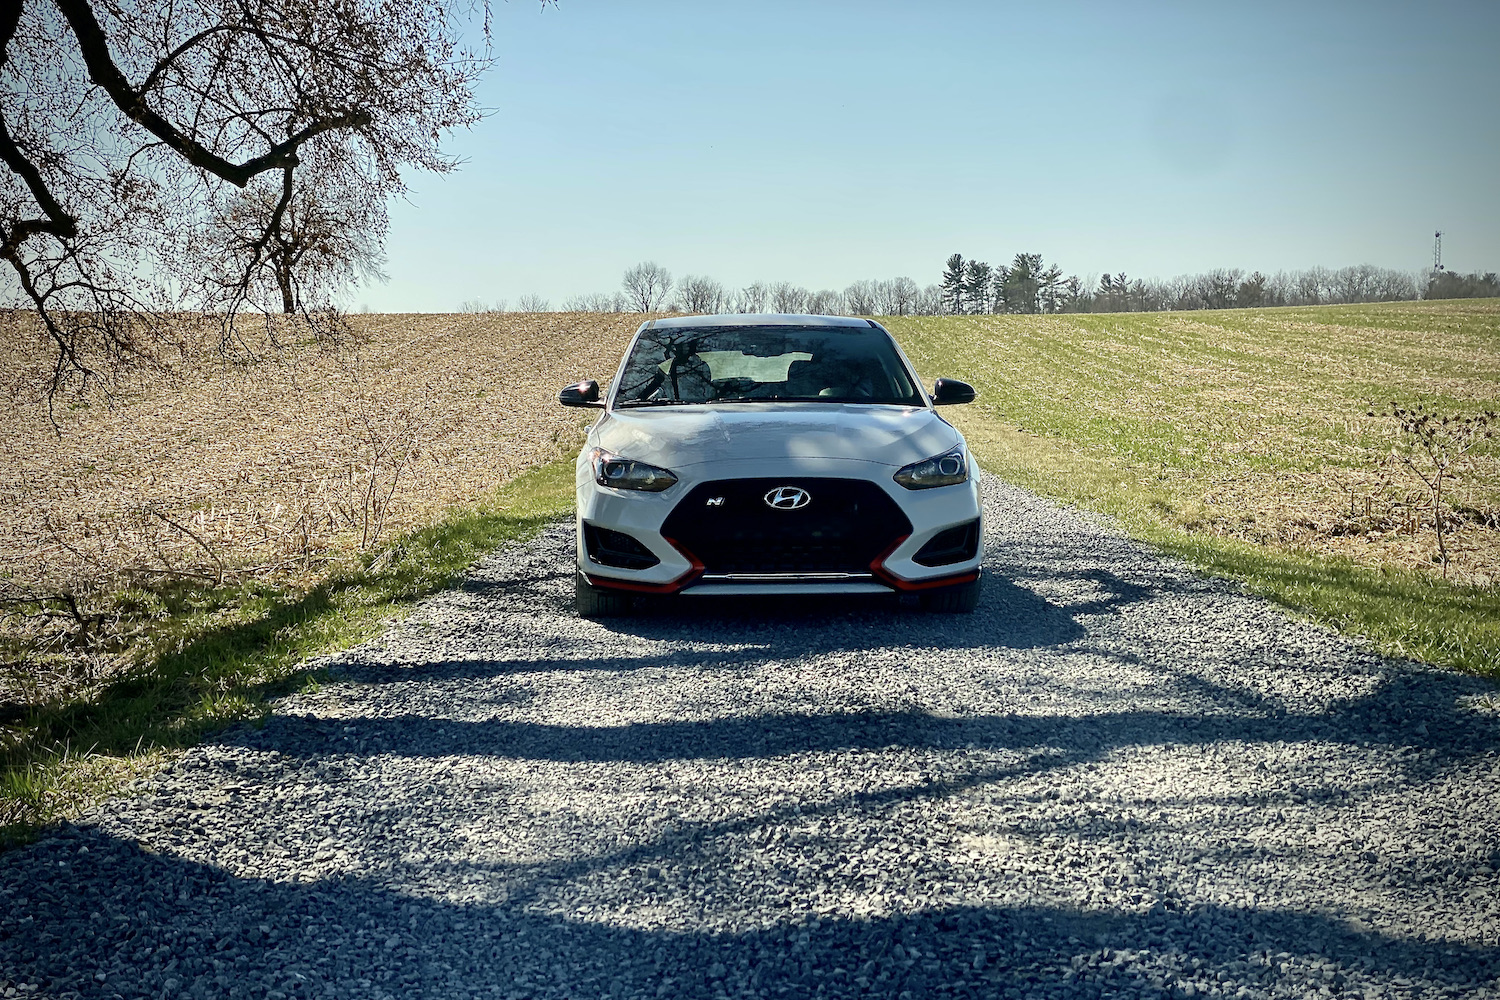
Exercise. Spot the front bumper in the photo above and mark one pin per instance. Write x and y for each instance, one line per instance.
(866, 538)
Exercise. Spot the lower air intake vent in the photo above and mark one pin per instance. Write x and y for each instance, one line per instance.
(608, 547)
(951, 545)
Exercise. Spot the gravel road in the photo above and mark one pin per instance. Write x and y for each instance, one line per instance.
(1114, 779)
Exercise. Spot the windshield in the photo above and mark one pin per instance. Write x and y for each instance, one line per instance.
(751, 364)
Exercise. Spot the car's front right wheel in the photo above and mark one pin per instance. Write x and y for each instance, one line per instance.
(961, 598)
(598, 602)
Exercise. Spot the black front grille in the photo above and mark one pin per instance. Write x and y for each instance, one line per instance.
(728, 525)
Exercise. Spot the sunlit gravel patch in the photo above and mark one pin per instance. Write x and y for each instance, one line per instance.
(1114, 779)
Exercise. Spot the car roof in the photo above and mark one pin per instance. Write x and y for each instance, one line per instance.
(759, 319)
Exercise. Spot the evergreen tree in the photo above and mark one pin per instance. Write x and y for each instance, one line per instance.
(1452, 285)
(1020, 291)
(997, 288)
(953, 284)
(976, 286)
(1049, 289)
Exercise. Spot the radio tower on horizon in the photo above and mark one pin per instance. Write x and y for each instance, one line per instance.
(1437, 250)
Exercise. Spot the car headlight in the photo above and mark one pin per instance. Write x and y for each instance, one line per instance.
(626, 474)
(940, 470)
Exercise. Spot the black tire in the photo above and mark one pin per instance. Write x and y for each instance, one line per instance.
(959, 599)
(598, 602)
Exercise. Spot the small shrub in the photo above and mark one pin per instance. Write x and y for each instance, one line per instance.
(1433, 447)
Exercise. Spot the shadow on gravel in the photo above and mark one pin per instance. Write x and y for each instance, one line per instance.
(127, 923)
(1010, 615)
(1417, 712)
(750, 629)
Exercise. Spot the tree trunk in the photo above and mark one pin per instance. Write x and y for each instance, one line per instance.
(288, 300)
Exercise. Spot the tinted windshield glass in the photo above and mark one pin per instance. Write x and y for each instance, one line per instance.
(761, 363)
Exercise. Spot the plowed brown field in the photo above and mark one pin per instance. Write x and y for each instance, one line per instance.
(214, 465)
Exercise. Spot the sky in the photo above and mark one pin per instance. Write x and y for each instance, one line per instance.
(826, 142)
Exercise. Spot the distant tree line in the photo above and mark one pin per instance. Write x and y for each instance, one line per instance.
(1026, 285)
(648, 287)
(1450, 285)
(1030, 285)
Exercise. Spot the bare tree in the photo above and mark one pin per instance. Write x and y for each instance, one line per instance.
(862, 297)
(597, 302)
(1354, 284)
(930, 302)
(788, 298)
(904, 295)
(532, 303)
(826, 303)
(752, 298)
(123, 123)
(1314, 285)
(1395, 286)
(647, 286)
(326, 237)
(1216, 288)
(699, 294)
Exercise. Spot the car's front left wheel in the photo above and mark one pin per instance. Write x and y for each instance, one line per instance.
(959, 599)
(598, 602)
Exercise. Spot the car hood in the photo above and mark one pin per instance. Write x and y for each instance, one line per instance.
(678, 436)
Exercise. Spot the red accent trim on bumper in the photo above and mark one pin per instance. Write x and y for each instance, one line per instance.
(671, 587)
(877, 566)
(890, 579)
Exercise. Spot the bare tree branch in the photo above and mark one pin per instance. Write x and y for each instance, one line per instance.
(103, 71)
(128, 127)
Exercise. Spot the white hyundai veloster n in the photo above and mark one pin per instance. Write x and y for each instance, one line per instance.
(761, 455)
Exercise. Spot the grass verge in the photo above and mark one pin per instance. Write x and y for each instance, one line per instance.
(221, 653)
(1403, 612)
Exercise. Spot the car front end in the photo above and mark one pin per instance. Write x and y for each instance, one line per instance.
(763, 486)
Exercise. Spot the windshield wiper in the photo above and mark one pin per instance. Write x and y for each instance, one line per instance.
(654, 402)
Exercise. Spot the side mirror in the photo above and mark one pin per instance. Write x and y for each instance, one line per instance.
(950, 390)
(585, 393)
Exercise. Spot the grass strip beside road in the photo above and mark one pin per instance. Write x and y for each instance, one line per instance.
(229, 650)
(1403, 612)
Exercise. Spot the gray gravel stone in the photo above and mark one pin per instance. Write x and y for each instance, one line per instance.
(1116, 779)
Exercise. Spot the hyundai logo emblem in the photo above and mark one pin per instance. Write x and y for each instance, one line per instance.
(788, 498)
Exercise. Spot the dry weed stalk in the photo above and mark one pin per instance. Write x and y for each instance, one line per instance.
(383, 450)
(1433, 448)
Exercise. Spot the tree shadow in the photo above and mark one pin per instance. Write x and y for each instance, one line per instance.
(745, 630)
(1387, 715)
(120, 921)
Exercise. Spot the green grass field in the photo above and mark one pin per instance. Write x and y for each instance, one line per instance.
(1242, 441)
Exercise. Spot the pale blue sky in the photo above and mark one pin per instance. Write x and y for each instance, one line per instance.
(822, 143)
